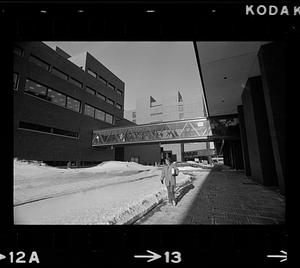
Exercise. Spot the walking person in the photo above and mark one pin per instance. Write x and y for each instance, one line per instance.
(169, 173)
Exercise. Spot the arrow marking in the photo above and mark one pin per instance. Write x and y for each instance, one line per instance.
(284, 257)
(154, 256)
(2, 257)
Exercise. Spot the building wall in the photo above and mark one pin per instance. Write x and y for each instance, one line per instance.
(147, 154)
(36, 145)
(260, 150)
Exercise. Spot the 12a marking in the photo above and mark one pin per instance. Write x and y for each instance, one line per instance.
(20, 257)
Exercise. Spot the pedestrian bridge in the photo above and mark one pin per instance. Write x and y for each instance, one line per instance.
(166, 132)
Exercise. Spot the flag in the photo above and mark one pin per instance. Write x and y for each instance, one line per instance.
(179, 97)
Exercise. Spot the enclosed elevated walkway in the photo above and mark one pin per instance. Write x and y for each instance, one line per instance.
(167, 132)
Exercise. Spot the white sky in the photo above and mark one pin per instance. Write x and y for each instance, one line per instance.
(146, 68)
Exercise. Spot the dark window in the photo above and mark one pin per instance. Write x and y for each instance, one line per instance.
(16, 81)
(91, 91)
(75, 82)
(35, 89)
(65, 132)
(109, 118)
(160, 113)
(59, 73)
(102, 97)
(56, 97)
(108, 100)
(39, 62)
(92, 73)
(89, 110)
(119, 106)
(101, 79)
(46, 129)
(100, 114)
(111, 86)
(119, 92)
(73, 104)
(36, 127)
(18, 51)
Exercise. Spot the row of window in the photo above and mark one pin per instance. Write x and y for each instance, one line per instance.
(100, 78)
(47, 129)
(98, 114)
(48, 94)
(62, 75)
(102, 97)
(43, 92)
(55, 71)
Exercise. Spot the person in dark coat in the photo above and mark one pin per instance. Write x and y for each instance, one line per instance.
(168, 174)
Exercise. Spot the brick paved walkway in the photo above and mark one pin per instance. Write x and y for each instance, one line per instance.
(221, 197)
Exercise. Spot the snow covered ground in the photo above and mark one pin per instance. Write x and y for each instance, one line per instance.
(110, 193)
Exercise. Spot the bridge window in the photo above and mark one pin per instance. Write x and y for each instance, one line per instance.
(39, 62)
(89, 110)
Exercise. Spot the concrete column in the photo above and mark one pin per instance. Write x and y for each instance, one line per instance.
(244, 142)
(259, 143)
(181, 152)
(272, 59)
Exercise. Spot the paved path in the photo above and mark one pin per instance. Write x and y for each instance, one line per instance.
(221, 197)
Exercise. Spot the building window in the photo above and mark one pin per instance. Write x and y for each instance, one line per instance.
(16, 81)
(160, 113)
(46, 129)
(133, 114)
(109, 118)
(119, 106)
(18, 51)
(180, 108)
(89, 110)
(59, 73)
(181, 115)
(91, 91)
(99, 114)
(108, 100)
(119, 92)
(73, 104)
(92, 73)
(102, 97)
(75, 82)
(35, 89)
(101, 79)
(39, 62)
(56, 97)
(111, 86)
